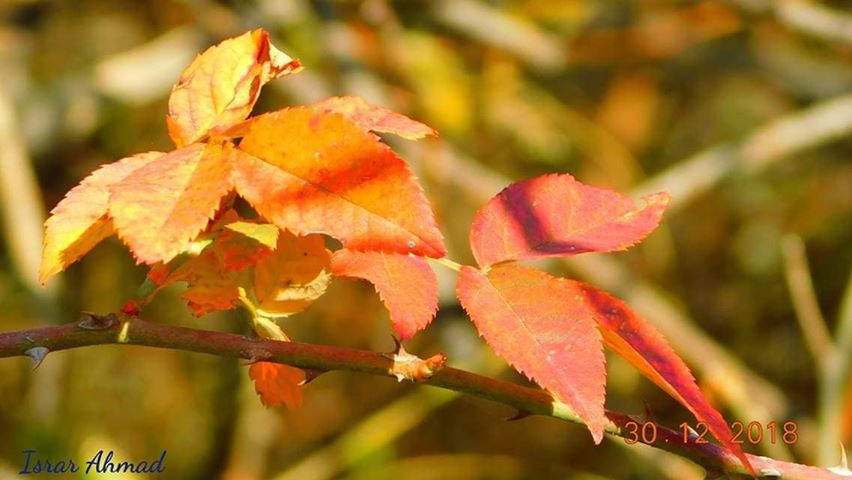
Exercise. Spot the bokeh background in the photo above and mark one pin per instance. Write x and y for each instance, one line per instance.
(742, 110)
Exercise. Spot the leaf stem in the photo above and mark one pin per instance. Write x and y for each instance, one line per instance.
(121, 328)
(446, 262)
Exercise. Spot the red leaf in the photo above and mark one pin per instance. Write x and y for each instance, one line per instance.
(80, 220)
(221, 86)
(311, 172)
(375, 118)
(557, 216)
(644, 347)
(406, 284)
(277, 384)
(540, 325)
(169, 201)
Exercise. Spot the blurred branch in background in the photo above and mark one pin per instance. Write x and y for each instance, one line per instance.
(832, 358)
(806, 16)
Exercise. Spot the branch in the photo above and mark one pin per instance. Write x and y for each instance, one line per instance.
(121, 329)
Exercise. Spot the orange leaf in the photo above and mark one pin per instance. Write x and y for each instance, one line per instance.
(543, 329)
(375, 118)
(221, 86)
(406, 285)
(313, 172)
(80, 220)
(277, 384)
(210, 288)
(242, 244)
(557, 216)
(645, 348)
(293, 276)
(168, 202)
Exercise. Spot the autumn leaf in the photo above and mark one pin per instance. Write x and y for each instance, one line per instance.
(293, 276)
(209, 286)
(277, 384)
(169, 201)
(313, 172)
(242, 244)
(537, 323)
(645, 348)
(221, 86)
(80, 220)
(406, 284)
(557, 216)
(374, 118)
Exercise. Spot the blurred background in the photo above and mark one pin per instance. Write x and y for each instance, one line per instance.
(742, 110)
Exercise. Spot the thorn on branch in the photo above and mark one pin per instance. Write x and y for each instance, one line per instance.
(37, 354)
(843, 468)
(311, 375)
(92, 321)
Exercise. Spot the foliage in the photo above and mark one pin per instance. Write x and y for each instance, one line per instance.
(319, 169)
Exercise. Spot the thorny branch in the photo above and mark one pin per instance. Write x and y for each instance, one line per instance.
(122, 329)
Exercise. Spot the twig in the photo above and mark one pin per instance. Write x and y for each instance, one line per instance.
(805, 303)
(834, 382)
(113, 329)
(807, 17)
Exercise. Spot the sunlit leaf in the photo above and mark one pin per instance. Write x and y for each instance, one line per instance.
(314, 172)
(221, 86)
(166, 203)
(645, 348)
(406, 284)
(80, 220)
(557, 216)
(374, 118)
(544, 330)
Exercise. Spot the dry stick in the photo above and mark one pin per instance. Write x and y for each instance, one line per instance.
(806, 16)
(834, 383)
(805, 303)
(121, 329)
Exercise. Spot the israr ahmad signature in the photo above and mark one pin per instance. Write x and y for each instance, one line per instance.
(101, 462)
